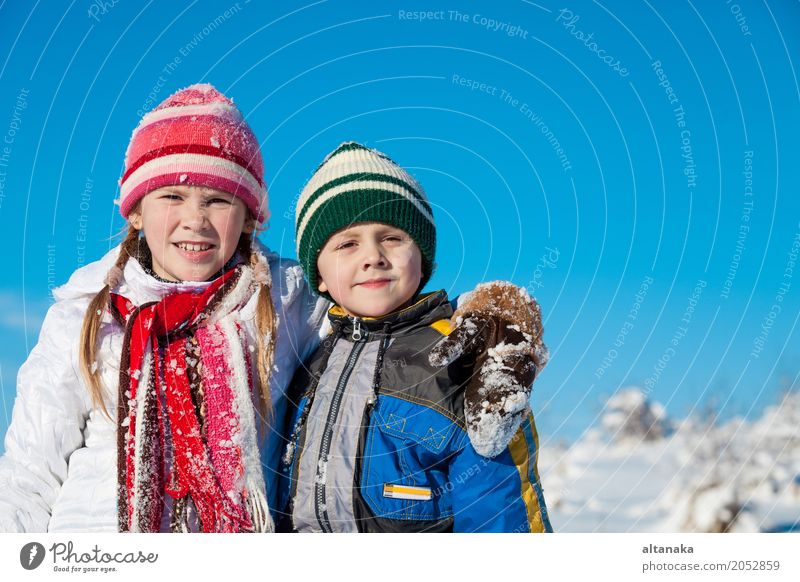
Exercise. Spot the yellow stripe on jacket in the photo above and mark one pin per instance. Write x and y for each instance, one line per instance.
(520, 453)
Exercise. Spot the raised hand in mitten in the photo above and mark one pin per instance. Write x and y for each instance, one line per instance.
(498, 329)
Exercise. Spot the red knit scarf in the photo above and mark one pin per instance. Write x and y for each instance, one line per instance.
(185, 394)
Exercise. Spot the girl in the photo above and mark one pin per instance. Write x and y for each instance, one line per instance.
(111, 412)
(155, 397)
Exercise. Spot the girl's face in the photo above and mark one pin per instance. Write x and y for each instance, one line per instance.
(191, 231)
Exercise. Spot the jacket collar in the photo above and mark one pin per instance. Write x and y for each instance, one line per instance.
(427, 309)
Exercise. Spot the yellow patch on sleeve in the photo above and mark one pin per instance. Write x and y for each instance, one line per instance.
(443, 326)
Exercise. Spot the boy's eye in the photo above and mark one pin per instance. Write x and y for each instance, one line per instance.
(346, 245)
(393, 237)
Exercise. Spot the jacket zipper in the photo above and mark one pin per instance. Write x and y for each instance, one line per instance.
(320, 508)
(356, 329)
(360, 518)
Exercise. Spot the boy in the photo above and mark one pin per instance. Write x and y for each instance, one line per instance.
(379, 435)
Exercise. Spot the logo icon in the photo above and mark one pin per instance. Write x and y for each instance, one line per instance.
(31, 555)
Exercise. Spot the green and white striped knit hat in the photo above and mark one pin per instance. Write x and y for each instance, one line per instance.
(357, 184)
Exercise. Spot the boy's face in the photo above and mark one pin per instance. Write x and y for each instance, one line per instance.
(192, 231)
(370, 269)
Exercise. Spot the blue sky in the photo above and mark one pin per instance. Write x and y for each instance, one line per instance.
(634, 165)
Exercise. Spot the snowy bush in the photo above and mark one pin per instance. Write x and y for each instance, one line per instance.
(630, 416)
(704, 475)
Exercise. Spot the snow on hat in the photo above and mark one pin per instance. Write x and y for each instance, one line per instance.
(357, 184)
(195, 137)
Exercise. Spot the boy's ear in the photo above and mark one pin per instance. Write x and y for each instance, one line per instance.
(323, 288)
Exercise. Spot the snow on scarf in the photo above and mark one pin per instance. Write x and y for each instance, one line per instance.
(185, 393)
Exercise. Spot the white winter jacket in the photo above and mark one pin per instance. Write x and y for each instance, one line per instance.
(59, 469)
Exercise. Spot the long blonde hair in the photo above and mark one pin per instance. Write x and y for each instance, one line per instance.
(265, 321)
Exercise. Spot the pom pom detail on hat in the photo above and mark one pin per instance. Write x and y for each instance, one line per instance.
(195, 137)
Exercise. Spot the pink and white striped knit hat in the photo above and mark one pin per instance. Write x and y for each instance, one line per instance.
(196, 137)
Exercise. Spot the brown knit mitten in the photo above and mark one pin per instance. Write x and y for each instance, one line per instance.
(499, 326)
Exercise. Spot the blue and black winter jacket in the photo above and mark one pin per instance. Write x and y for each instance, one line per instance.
(379, 442)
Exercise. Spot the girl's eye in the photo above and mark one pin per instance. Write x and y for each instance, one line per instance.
(171, 197)
(217, 200)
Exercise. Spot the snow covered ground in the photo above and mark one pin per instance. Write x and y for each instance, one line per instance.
(641, 472)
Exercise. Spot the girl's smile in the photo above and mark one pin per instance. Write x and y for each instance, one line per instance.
(195, 252)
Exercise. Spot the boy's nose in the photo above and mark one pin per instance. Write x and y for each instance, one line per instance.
(374, 257)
